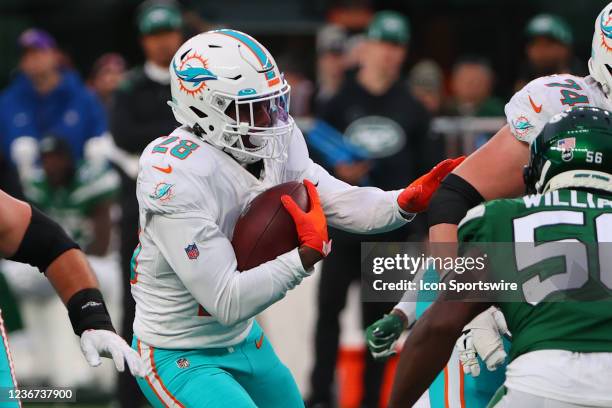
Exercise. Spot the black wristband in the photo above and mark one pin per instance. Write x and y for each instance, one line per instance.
(43, 242)
(87, 310)
(452, 200)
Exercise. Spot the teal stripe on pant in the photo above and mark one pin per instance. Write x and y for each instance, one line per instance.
(246, 375)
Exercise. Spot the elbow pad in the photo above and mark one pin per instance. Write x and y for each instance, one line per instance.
(43, 242)
(452, 200)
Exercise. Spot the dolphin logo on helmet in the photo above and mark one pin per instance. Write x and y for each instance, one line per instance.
(195, 75)
(192, 73)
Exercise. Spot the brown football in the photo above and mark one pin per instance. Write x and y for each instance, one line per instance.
(265, 229)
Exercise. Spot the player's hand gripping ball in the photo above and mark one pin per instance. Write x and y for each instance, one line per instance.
(265, 230)
(311, 225)
(415, 198)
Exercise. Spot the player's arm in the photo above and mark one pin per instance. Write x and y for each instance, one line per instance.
(429, 347)
(379, 210)
(493, 171)
(469, 184)
(211, 277)
(27, 235)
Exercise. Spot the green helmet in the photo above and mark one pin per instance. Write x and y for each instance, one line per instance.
(574, 149)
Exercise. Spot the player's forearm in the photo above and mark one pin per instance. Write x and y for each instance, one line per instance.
(363, 210)
(423, 356)
(272, 279)
(406, 308)
(70, 273)
(233, 296)
(211, 276)
(443, 233)
(503, 157)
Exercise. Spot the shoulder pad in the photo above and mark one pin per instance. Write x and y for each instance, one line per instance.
(532, 107)
(173, 179)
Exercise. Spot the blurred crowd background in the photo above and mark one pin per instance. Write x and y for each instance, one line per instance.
(382, 90)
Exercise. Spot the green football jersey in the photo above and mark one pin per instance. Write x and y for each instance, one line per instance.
(72, 206)
(561, 287)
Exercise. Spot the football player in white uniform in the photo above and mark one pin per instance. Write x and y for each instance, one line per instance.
(503, 157)
(194, 310)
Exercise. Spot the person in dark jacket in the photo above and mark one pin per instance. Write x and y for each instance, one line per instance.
(139, 114)
(376, 113)
(46, 97)
(549, 50)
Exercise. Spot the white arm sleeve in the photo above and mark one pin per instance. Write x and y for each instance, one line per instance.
(212, 278)
(365, 210)
(408, 303)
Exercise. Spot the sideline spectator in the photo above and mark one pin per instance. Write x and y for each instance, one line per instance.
(549, 50)
(472, 87)
(354, 50)
(47, 98)
(426, 83)
(107, 73)
(331, 64)
(375, 112)
(138, 115)
(77, 195)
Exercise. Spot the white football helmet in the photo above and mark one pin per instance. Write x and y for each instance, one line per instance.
(227, 88)
(600, 63)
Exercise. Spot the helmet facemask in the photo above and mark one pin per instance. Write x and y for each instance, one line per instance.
(256, 128)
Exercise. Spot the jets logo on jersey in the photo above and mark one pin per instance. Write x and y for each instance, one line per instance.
(192, 73)
(567, 146)
(606, 32)
(192, 251)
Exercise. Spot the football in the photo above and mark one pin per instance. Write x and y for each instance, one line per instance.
(265, 229)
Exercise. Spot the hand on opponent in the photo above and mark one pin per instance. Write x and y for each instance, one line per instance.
(415, 198)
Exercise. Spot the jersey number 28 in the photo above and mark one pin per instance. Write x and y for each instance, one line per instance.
(181, 150)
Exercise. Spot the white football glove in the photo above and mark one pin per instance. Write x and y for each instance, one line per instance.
(105, 343)
(482, 337)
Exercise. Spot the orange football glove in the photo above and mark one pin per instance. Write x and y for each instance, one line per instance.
(311, 226)
(415, 198)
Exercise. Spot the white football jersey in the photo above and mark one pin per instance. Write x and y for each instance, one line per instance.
(534, 105)
(188, 292)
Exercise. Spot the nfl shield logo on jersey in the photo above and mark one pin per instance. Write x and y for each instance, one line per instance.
(192, 251)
